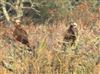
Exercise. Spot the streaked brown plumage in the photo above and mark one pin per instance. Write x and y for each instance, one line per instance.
(20, 34)
(70, 35)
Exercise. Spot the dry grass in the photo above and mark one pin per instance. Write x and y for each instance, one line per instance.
(83, 58)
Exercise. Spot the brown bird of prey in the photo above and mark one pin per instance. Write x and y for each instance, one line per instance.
(20, 34)
(70, 35)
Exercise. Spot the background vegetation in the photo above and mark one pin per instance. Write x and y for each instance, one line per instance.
(45, 21)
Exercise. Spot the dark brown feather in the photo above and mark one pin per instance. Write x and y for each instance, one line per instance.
(21, 35)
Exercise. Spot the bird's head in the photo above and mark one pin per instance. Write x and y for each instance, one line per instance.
(17, 21)
(17, 24)
(73, 28)
(73, 24)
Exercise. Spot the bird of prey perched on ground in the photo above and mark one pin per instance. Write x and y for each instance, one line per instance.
(20, 34)
(70, 35)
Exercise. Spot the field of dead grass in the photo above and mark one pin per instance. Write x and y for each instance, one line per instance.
(83, 58)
